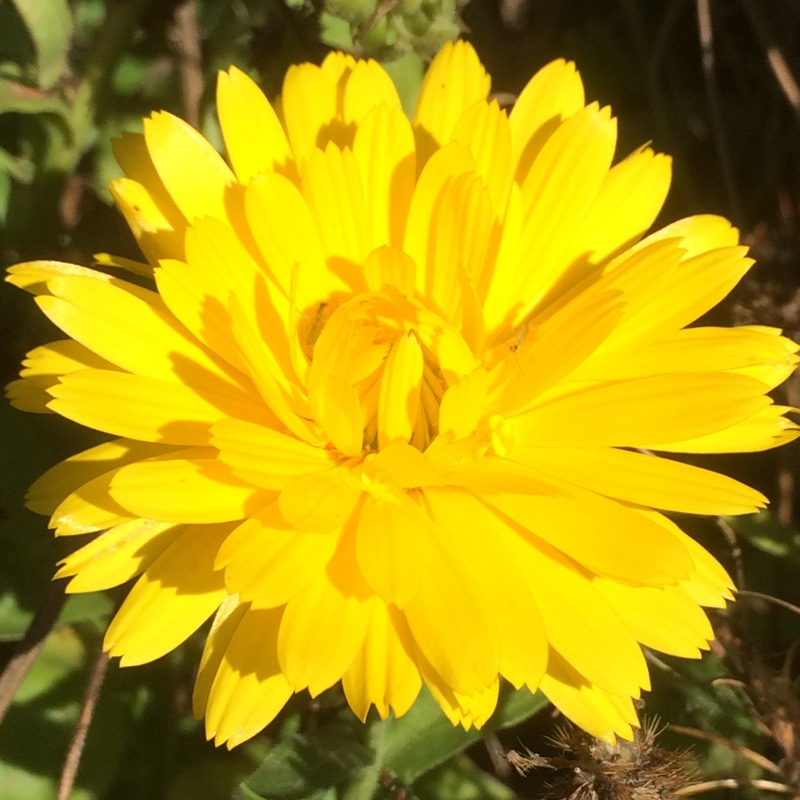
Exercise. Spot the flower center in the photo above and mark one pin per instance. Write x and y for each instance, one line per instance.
(373, 366)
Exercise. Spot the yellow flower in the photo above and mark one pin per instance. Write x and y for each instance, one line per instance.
(389, 406)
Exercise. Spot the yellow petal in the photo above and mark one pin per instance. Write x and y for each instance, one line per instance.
(554, 93)
(699, 284)
(367, 87)
(156, 235)
(333, 189)
(267, 561)
(35, 276)
(709, 584)
(484, 129)
(263, 456)
(463, 404)
(130, 150)
(131, 328)
(450, 616)
(747, 350)
(643, 412)
(601, 714)
(698, 234)
(454, 81)
(286, 234)
(600, 534)
(579, 624)
(390, 554)
(433, 184)
(763, 430)
(383, 673)
(399, 395)
(337, 600)
(557, 195)
(392, 267)
(116, 556)
(628, 202)
(222, 629)
(309, 107)
(249, 689)
(193, 173)
(319, 501)
(64, 478)
(337, 408)
(41, 369)
(253, 135)
(185, 490)
(665, 619)
(283, 397)
(645, 480)
(383, 149)
(176, 595)
(543, 355)
(142, 408)
(89, 508)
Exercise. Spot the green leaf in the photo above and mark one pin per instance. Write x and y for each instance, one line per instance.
(425, 738)
(311, 763)
(461, 779)
(49, 24)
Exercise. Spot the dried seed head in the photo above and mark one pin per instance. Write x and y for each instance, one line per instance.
(588, 769)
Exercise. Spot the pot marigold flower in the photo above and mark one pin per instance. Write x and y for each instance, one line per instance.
(388, 410)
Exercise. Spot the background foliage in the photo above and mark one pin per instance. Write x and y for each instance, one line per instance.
(709, 82)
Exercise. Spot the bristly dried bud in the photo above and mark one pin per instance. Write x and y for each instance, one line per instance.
(589, 769)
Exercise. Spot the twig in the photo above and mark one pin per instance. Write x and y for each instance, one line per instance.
(185, 38)
(73, 759)
(780, 69)
(736, 551)
(30, 645)
(768, 597)
(732, 783)
(750, 755)
(706, 32)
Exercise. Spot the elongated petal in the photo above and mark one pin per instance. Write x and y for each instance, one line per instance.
(461, 639)
(338, 599)
(264, 457)
(254, 138)
(116, 556)
(454, 81)
(61, 480)
(384, 673)
(645, 480)
(644, 412)
(319, 501)
(267, 561)
(579, 624)
(144, 408)
(665, 619)
(400, 386)
(602, 714)
(185, 490)
(249, 688)
(552, 95)
(601, 535)
(178, 592)
(193, 173)
(384, 151)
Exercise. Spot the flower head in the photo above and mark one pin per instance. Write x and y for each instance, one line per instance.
(390, 405)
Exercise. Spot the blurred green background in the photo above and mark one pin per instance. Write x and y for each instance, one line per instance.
(712, 82)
